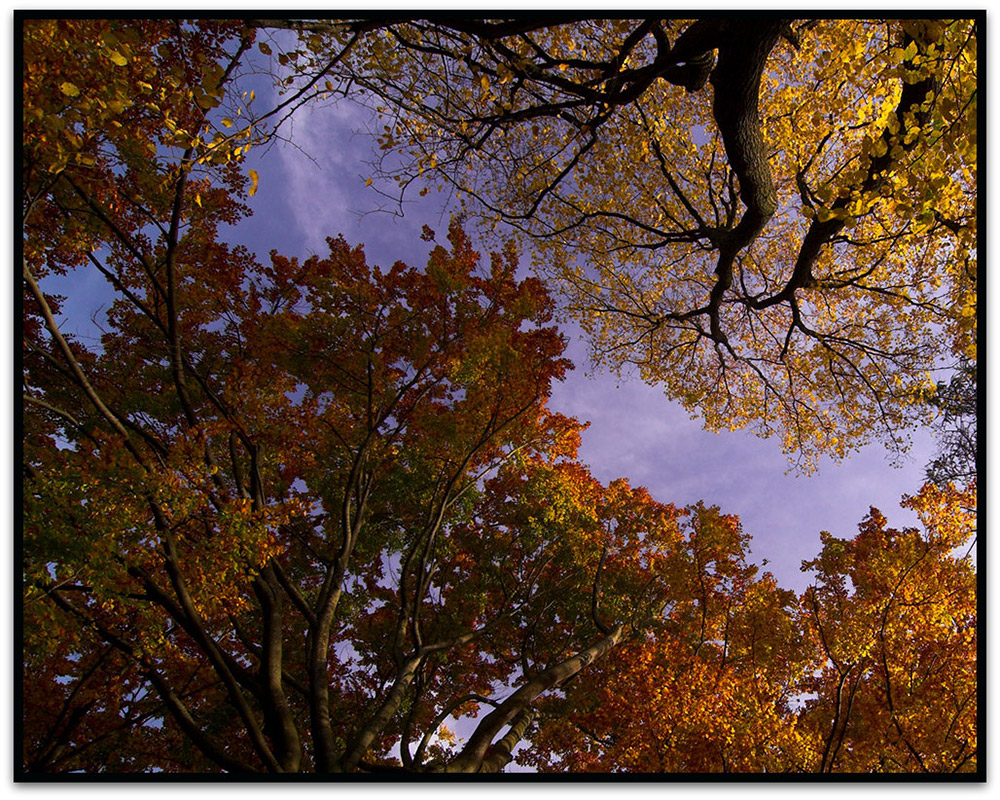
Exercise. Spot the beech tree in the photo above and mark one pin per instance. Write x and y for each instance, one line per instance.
(314, 515)
(773, 219)
(293, 556)
(893, 614)
(285, 517)
(711, 688)
(957, 403)
(871, 670)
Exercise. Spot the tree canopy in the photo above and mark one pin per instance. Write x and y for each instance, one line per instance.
(312, 514)
(773, 219)
(837, 680)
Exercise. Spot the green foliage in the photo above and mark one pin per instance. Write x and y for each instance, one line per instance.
(295, 516)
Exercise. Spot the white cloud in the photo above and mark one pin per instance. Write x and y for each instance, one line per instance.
(322, 170)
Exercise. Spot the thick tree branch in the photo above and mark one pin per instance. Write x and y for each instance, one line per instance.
(472, 755)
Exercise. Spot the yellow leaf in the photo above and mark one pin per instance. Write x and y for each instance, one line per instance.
(197, 199)
(253, 182)
(485, 83)
(118, 58)
(368, 182)
(69, 89)
(227, 122)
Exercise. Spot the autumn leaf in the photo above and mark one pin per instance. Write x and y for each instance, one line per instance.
(292, 515)
(822, 141)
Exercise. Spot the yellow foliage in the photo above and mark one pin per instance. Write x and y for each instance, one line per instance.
(634, 201)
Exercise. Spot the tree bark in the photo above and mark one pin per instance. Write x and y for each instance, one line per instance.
(471, 759)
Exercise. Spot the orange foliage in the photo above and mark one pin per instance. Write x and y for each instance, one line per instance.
(297, 516)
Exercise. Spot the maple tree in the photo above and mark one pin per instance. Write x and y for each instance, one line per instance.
(314, 514)
(773, 219)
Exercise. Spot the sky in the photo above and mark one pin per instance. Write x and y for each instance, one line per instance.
(315, 186)
(635, 431)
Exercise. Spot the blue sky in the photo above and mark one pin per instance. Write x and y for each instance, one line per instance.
(635, 431)
(315, 187)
